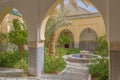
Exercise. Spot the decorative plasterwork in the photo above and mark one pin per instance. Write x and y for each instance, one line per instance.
(115, 46)
(34, 44)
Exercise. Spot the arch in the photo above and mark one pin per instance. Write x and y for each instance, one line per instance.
(45, 18)
(6, 23)
(88, 39)
(34, 23)
(8, 17)
(4, 13)
(33, 20)
(94, 29)
(69, 34)
(87, 2)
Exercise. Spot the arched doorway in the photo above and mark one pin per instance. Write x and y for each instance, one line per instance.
(68, 39)
(88, 39)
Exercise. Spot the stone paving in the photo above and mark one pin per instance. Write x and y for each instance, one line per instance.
(67, 74)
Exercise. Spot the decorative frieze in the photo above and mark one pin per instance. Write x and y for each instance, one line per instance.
(35, 44)
(115, 46)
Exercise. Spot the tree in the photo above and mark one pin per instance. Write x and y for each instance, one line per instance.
(63, 39)
(54, 22)
(18, 35)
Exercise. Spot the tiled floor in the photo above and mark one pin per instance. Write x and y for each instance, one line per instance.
(67, 74)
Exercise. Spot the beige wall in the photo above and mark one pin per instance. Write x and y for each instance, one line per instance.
(78, 25)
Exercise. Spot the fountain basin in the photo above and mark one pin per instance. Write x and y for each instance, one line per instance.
(79, 60)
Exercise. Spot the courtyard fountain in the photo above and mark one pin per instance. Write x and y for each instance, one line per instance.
(82, 59)
(79, 62)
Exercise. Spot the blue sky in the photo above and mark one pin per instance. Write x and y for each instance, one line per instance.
(80, 3)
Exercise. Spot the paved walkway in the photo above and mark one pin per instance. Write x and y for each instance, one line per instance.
(67, 74)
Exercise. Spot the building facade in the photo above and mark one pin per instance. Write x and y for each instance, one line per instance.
(84, 29)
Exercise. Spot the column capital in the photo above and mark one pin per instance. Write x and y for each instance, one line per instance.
(35, 44)
(115, 46)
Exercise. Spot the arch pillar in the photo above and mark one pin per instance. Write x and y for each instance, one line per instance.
(76, 39)
(114, 31)
(76, 44)
(111, 15)
(35, 49)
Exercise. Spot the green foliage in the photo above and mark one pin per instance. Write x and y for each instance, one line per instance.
(55, 64)
(12, 59)
(18, 35)
(101, 46)
(100, 69)
(63, 39)
(66, 51)
(60, 52)
(73, 51)
(3, 37)
(54, 22)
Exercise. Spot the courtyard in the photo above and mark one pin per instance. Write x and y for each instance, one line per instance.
(35, 38)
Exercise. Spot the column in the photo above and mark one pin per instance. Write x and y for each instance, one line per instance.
(115, 60)
(114, 38)
(76, 44)
(76, 39)
(36, 58)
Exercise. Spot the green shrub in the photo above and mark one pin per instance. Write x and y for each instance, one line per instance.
(63, 39)
(73, 51)
(12, 59)
(100, 69)
(53, 64)
(67, 51)
(60, 52)
(101, 46)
